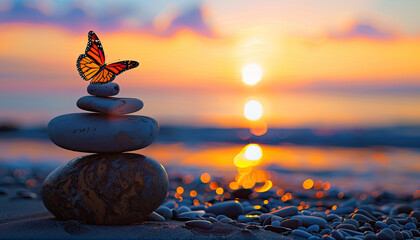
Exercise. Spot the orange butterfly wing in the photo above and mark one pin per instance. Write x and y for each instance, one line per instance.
(91, 65)
(110, 71)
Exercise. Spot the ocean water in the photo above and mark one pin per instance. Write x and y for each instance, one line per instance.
(286, 165)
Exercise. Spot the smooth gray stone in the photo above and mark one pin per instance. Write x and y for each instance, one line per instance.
(286, 211)
(313, 228)
(98, 133)
(347, 226)
(183, 209)
(386, 234)
(103, 90)
(379, 224)
(226, 220)
(310, 220)
(301, 233)
(231, 209)
(409, 226)
(109, 105)
(352, 222)
(155, 217)
(247, 218)
(190, 215)
(199, 223)
(275, 223)
(164, 212)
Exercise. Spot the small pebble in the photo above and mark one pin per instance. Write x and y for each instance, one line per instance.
(407, 234)
(314, 238)
(398, 235)
(221, 216)
(103, 90)
(347, 226)
(3, 191)
(416, 215)
(277, 229)
(164, 212)
(170, 204)
(415, 232)
(409, 226)
(352, 222)
(26, 194)
(343, 210)
(381, 225)
(361, 217)
(310, 220)
(386, 234)
(337, 235)
(231, 209)
(190, 215)
(183, 209)
(155, 217)
(394, 227)
(391, 220)
(226, 220)
(247, 218)
(303, 228)
(313, 228)
(275, 223)
(286, 211)
(199, 223)
(327, 238)
(301, 233)
(291, 223)
(370, 237)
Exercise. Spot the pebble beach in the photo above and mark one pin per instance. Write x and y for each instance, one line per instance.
(234, 214)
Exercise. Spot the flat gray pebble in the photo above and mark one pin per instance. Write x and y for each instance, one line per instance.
(301, 233)
(286, 211)
(231, 209)
(409, 226)
(164, 212)
(26, 194)
(155, 217)
(226, 220)
(275, 223)
(103, 90)
(310, 220)
(386, 234)
(183, 209)
(199, 223)
(381, 225)
(313, 228)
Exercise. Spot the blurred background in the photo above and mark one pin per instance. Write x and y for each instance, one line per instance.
(267, 94)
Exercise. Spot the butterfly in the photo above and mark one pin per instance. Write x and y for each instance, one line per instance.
(91, 65)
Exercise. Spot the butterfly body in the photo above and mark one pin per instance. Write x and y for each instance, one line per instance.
(91, 65)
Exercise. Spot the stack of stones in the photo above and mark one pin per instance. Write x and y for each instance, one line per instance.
(110, 187)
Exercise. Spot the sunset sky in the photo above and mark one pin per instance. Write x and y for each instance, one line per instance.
(325, 63)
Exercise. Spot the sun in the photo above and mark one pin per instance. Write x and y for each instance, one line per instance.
(251, 73)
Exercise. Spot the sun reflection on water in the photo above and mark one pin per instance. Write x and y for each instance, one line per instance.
(253, 110)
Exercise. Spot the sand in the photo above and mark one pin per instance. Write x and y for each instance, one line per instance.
(29, 219)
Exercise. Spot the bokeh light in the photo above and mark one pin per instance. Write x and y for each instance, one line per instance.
(308, 184)
(253, 110)
(205, 178)
(180, 190)
(251, 74)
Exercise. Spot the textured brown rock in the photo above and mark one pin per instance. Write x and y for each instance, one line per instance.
(106, 189)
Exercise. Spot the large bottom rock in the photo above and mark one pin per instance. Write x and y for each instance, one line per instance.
(106, 189)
